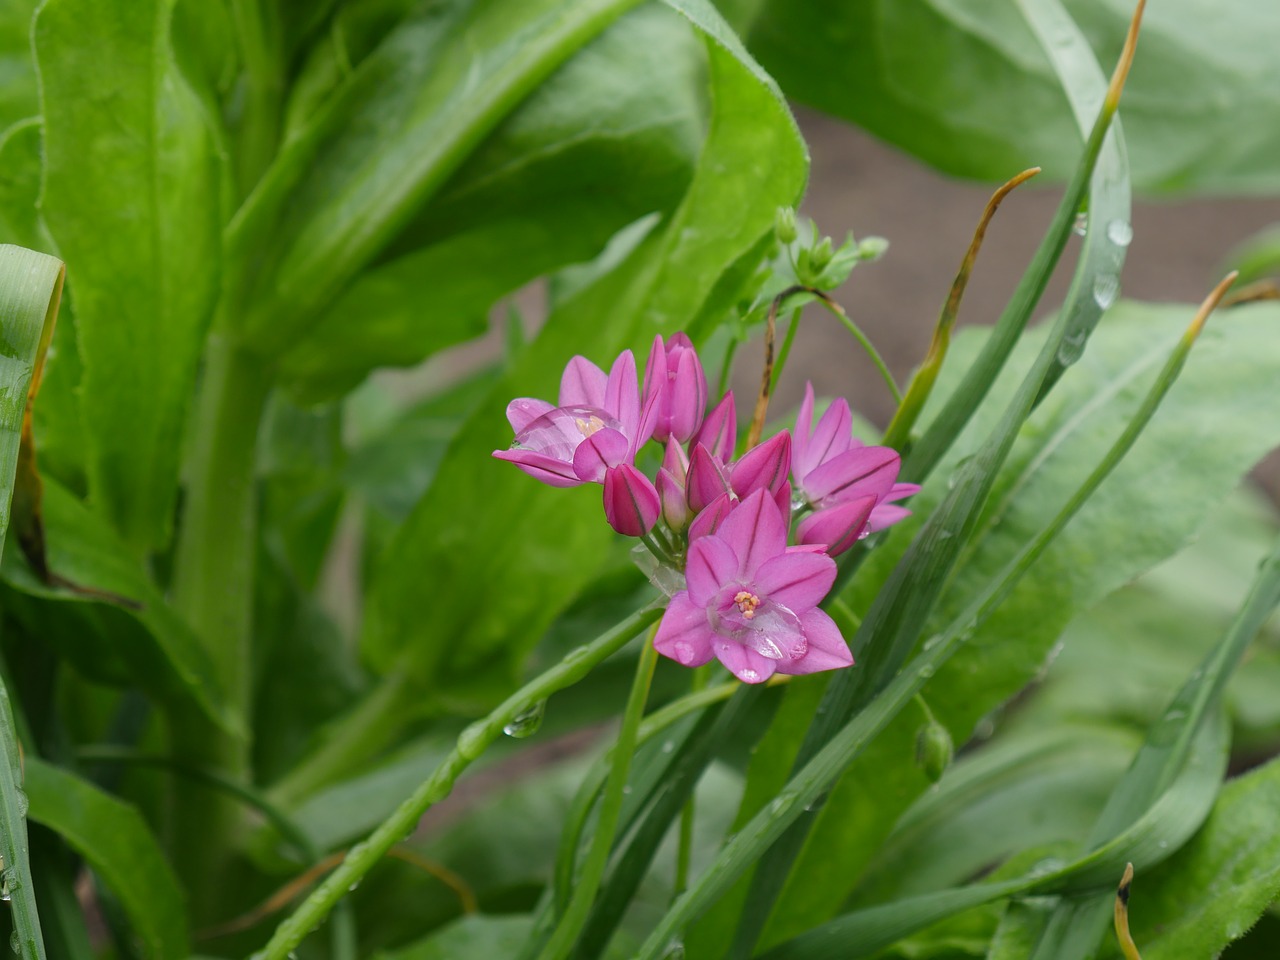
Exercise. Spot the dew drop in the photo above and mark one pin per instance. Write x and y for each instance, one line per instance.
(527, 721)
(668, 746)
(1106, 287)
(1081, 226)
(15, 942)
(23, 804)
(674, 951)
(748, 676)
(1120, 232)
(926, 670)
(471, 742)
(1071, 348)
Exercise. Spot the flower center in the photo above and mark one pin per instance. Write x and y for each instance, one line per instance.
(589, 424)
(747, 603)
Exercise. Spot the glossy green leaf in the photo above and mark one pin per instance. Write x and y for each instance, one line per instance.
(20, 162)
(608, 138)
(116, 843)
(28, 943)
(162, 654)
(434, 88)
(962, 84)
(663, 283)
(140, 228)
(1210, 892)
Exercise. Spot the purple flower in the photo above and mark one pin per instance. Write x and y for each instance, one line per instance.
(831, 468)
(675, 384)
(751, 602)
(598, 425)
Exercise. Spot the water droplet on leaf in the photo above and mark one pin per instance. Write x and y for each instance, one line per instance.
(1081, 226)
(1106, 287)
(1071, 348)
(1120, 232)
(527, 721)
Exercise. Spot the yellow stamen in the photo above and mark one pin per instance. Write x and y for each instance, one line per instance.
(747, 603)
(590, 425)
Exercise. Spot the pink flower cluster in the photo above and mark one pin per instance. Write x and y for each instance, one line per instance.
(749, 599)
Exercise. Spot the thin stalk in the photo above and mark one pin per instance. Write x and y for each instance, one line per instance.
(792, 326)
(726, 367)
(259, 45)
(588, 881)
(863, 339)
(899, 430)
(766, 372)
(472, 743)
(744, 849)
(213, 591)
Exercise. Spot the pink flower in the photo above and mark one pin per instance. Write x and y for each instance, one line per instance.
(675, 384)
(598, 425)
(751, 602)
(832, 468)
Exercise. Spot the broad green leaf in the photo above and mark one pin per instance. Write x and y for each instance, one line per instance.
(139, 227)
(1214, 888)
(753, 160)
(608, 138)
(963, 85)
(435, 87)
(18, 94)
(161, 652)
(116, 843)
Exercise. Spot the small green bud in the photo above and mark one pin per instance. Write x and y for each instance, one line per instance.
(934, 749)
(821, 255)
(872, 248)
(784, 225)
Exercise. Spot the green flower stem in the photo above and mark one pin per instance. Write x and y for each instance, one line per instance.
(472, 743)
(832, 760)
(684, 852)
(792, 326)
(588, 881)
(213, 590)
(863, 339)
(257, 35)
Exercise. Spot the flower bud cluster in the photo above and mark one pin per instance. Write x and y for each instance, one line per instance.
(722, 521)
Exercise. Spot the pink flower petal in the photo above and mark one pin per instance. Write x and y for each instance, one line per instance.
(597, 453)
(711, 564)
(622, 397)
(709, 519)
(858, 472)
(706, 480)
(674, 509)
(743, 662)
(685, 635)
(797, 581)
(675, 461)
(654, 394)
(631, 504)
(802, 432)
(687, 395)
(830, 437)
(827, 649)
(763, 467)
(839, 527)
(900, 490)
(549, 470)
(524, 410)
(582, 384)
(756, 532)
(886, 515)
(719, 431)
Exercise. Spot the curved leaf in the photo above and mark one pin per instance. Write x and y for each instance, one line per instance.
(962, 84)
(140, 228)
(114, 840)
(611, 136)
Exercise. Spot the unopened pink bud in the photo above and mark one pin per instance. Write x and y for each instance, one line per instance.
(631, 503)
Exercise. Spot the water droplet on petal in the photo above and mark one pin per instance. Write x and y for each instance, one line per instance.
(748, 676)
(1106, 287)
(558, 432)
(527, 721)
(683, 651)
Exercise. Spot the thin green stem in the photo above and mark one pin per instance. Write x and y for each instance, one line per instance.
(259, 44)
(792, 326)
(867, 345)
(213, 590)
(726, 367)
(588, 881)
(684, 852)
(472, 743)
